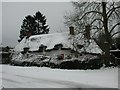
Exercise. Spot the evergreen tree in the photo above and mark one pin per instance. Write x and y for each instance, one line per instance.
(36, 25)
(41, 27)
(27, 26)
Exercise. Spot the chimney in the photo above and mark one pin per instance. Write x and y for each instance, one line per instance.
(28, 34)
(87, 31)
(71, 30)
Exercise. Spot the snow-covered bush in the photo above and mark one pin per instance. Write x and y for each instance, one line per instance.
(86, 61)
(91, 63)
(27, 59)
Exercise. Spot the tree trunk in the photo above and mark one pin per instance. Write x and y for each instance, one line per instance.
(107, 35)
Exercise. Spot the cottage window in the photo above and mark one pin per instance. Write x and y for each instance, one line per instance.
(25, 49)
(58, 46)
(42, 48)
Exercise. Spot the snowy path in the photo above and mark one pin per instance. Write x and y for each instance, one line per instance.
(36, 77)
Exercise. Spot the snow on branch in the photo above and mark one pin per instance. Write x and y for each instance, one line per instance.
(114, 27)
(96, 20)
(117, 14)
(96, 27)
(109, 13)
(115, 33)
(97, 12)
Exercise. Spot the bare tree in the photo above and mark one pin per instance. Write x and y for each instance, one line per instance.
(103, 17)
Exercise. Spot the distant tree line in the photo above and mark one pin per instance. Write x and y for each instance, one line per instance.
(34, 25)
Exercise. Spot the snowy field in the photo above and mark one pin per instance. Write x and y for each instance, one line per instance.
(42, 77)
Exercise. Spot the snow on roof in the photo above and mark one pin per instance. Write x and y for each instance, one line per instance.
(49, 40)
(92, 47)
(117, 50)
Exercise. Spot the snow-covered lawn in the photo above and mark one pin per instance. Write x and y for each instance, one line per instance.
(42, 77)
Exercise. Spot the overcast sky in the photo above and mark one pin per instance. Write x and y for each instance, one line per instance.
(13, 14)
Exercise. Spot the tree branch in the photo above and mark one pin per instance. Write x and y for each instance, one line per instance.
(114, 27)
(115, 33)
(112, 10)
(111, 6)
(98, 44)
(96, 20)
(117, 14)
(95, 27)
(89, 13)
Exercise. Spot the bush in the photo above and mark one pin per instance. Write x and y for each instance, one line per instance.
(70, 64)
(88, 63)
(44, 64)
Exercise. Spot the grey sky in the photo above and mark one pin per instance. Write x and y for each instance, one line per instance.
(0, 22)
(14, 12)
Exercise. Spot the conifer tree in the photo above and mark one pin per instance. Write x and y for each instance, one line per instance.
(35, 24)
(41, 27)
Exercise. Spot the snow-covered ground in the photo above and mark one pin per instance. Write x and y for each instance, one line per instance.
(42, 77)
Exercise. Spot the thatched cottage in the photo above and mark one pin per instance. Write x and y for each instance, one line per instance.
(55, 44)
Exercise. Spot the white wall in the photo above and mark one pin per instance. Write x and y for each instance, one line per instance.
(52, 53)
